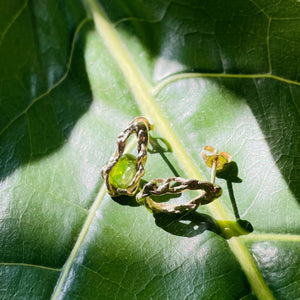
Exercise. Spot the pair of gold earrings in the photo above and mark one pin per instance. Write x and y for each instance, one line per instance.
(123, 173)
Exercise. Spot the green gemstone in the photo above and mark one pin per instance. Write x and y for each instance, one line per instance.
(123, 171)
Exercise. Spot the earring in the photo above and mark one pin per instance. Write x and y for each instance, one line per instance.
(123, 172)
(159, 187)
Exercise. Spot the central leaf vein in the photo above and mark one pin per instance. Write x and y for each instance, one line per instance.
(150, 109)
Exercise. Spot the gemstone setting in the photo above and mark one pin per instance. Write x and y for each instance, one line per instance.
(123, 172)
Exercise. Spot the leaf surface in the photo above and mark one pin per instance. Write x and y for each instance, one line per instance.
(74, 74)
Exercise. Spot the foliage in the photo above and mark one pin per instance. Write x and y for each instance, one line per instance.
(219, 73)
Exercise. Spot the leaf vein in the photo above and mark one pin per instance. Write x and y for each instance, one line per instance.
(149, 108)
(13, 20)
(55, 85)
(29, 266)
(272, 237)
(81, 237)
(187, 75)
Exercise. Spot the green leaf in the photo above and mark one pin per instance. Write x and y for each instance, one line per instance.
(73, 74)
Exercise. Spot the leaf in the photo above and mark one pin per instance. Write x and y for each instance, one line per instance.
(204, 73)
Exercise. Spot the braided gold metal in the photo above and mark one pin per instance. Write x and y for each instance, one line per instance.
(159, 187)
(139, 126)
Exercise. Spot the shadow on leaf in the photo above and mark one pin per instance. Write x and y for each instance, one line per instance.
(188, 224)
(45, 124)
(161, 145)
(194, 223)
(126, 200)
(131, 200)
(230, 174)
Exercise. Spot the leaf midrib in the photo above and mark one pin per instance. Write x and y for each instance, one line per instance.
(157, 88)
(99, 198)
(142, 91)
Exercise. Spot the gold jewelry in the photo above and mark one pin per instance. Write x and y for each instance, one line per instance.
(123, 172)
(159, 187)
